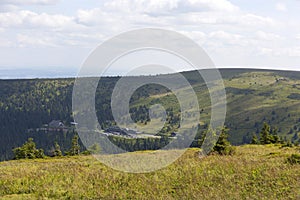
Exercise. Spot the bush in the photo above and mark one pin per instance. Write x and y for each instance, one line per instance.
(57, 152)
(287, 144)
(294, 159)
(254, 140)
(268, 135)
(29, 151)
(223, 146)
(75, 148)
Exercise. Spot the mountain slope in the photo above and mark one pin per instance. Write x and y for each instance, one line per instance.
(253, 97)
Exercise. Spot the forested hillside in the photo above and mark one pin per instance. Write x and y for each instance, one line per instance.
(253, 97)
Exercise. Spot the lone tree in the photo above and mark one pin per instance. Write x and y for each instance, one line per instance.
(208, 140)
(223, 146)
(275, 139)
(57, 152)
(268, 135)
(265, 134)
(75, 148)
(28, 150)
(254, 139)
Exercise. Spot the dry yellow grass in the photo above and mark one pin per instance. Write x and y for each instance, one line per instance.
(255, 172)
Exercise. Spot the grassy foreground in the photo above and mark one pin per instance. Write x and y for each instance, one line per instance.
(255, 172)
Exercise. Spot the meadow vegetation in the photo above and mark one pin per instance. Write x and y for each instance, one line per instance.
(253, 172)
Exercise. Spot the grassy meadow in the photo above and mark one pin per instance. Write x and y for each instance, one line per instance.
(254, 172)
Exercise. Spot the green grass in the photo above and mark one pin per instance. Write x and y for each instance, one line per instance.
(268, 96)
(254, 172)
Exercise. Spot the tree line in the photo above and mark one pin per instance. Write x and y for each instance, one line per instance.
(29, 150)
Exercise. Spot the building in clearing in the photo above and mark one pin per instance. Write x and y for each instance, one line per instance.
(56, 124)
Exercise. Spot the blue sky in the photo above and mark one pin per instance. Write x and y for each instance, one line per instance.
(56, 34)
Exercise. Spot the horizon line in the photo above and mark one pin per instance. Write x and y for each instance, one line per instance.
(74, 76)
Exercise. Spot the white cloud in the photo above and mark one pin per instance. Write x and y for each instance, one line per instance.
(197, 36)
(159, 7)
(82, 29)
(29, 2)
(265, 51)
(5, 43)
(30, 41)
(256, 20)
(209, 5)
(228, 40)
(261, 35)
(221, 27)
(280, 52)
(53, 21)
(196, 19)
(281, 7)
(13, 19)
(8, 8)
(225, 35)
(93, 17)
(141, 6)
(57, 40)
(27, 20)
(14, 5)
(233, 20)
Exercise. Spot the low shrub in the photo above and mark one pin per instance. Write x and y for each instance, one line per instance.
(294, 159)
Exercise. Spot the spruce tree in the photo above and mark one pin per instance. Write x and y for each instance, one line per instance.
(223, 146)
(274, 138)
(57, 151)
(254, 139)
(265, 134)
(208, 141)
(28, 150)
(75, 148)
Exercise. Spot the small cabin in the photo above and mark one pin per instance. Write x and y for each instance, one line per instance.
(56, 124)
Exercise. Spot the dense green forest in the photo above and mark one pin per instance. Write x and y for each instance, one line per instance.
(253, 97)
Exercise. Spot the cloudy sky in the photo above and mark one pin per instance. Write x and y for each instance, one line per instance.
(61, 33)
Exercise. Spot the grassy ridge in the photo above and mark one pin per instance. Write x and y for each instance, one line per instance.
(262, 96)
(253, 97)
(255, 172)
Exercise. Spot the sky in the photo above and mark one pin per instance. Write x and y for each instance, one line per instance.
(59, 35)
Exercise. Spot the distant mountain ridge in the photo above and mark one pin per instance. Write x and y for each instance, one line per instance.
(32, 73)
